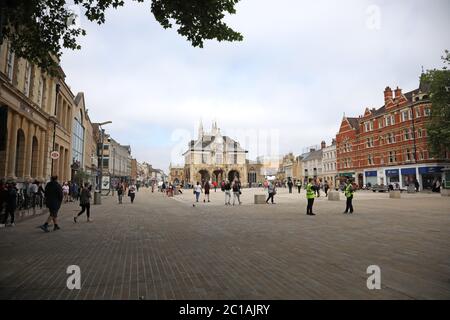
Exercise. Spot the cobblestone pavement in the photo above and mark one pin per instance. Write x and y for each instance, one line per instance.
(165, 248)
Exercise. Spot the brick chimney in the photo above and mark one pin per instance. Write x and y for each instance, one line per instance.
(387, 94)
(398, 93)
(323, 144)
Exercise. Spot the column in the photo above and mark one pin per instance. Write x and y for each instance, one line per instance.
(61, 164)
(28, 149)
(43, 155)
(12, 146)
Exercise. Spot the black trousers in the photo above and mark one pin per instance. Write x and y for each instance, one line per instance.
(87, 208)
(9, 211)
(310, 206)
(299, 189)
(290, 189)
(349, 205)
(132, 195)
(270, 197)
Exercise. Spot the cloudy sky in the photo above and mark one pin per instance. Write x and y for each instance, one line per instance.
(301, 66)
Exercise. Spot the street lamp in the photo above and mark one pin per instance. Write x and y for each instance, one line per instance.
(55, 120)
(101, 155)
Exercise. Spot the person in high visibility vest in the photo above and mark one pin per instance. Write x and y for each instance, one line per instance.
(348, 191)
(310, 195)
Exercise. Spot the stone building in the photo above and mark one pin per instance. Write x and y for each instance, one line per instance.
(214, 157)
(176, 174)
(30, 118)
(329, 170)
(388, 145)
(312, 163)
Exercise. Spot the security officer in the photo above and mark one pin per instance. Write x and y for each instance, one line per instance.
(310, 195)
(348, 191)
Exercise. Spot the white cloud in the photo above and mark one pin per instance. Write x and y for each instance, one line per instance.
(300, 66)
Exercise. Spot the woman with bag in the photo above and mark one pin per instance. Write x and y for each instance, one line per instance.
(272, 191)
(237, 191)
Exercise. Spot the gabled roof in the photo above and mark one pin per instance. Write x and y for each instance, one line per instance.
(313, 155)
(354, 122)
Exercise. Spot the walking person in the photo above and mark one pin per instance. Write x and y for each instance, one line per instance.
(85, 203)
(120, 192)
(326, 187)
(11, 204)
(3, 196)
(66, 190)
(317, 187)
(349, 195)
(272, 191)
(53, 199)
(290, 184)
(197, 191)
(237, 191)
(299, 185)
(310, 195)
(227, 189)
(416, 185)
(132, 192)
(207, 188)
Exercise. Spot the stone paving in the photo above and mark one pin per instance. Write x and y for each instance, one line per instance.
(165, 248)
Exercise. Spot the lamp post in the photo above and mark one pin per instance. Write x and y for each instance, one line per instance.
(55, 120)
(114, 166)
(101, 157)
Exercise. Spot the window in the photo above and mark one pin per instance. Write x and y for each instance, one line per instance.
(418, 113)
(388, 120)
(392, 157)
(26, 89)
(235, 158)
(78, 142)
(370, 142)
(370, 159)
(10, 64)
(380, 123)
(405, 115)
(390, 138)
(407, 134)
(419, 133)
(366, 125)
(371, 125)
(203, 158)
(427, 112)
(219, 158)
(41, 91)
(408, 155)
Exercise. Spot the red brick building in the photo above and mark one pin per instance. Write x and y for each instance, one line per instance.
(389, 145)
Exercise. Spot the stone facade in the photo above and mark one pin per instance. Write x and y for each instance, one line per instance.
(213, 157)
(329, 170)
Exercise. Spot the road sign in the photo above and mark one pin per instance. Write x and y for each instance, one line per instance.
(54, 155)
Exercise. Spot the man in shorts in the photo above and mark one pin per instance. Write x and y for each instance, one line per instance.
(53, 200)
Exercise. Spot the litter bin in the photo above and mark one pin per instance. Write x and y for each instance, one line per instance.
(97, 197)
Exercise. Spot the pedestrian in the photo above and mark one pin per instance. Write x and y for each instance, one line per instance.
(310, 195)
(207, 187)
(120, 192)
(66, 190)
(34, 193)
(290, 184)
(3, 196)
(237, 191)
(272, 191)
(227, 189)
(349, 195)
(197, 191)
(132, 192)
(317, 187)
(416, 185)
(299, 185)
(85, 203)
(53, 199)
(215, 186)
(11, 204)
(326, 187)
(76, 191)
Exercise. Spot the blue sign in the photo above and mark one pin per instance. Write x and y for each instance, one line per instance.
(425, 170)
(392, 172)
(370, 173)
(409, 171)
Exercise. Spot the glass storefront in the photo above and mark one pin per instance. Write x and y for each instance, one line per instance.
(392, 176)
(370, 177)
(408, 176)
(430, 176)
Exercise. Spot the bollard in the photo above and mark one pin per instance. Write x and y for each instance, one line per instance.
(97, 197)
(394, 194)
(260, 199)
(333, 195)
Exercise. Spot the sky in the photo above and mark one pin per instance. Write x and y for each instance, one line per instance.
(301, 66)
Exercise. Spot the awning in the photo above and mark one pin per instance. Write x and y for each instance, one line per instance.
(408, 171)
(425, 170)
(392, 172)
(346, 174)
(370, 173)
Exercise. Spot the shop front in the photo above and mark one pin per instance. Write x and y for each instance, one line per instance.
(430, 176)
(343, 176)
(408, 176)
(392, 176)
(370, 178)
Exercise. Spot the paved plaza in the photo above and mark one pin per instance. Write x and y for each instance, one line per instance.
(166, 248)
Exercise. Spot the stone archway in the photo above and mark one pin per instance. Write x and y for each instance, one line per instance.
(204, 176)
(218, 175)
(232, 174)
